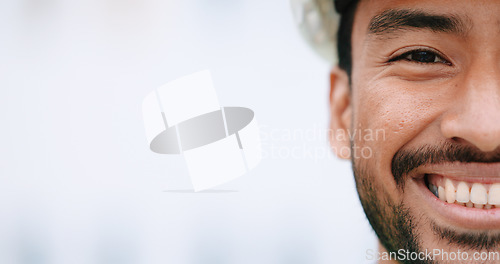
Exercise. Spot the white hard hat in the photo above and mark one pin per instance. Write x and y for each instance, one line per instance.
(318, 22)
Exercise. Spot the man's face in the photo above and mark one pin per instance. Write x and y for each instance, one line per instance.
(427, 73)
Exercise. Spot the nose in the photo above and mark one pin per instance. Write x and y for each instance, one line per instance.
(475, 116)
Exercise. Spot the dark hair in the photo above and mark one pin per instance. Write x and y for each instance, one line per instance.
(344, 34)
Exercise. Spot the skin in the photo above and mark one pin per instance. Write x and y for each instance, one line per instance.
(417, 104)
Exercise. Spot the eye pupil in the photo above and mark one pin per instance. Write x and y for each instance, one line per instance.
(423, 56)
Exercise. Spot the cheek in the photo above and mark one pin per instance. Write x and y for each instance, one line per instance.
(401, 112)
(396, 115)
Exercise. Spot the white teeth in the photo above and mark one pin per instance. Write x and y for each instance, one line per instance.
(479, 206)
(463, 192)
(494, 195)
(450, 191)
(442, 193)
(478, 194)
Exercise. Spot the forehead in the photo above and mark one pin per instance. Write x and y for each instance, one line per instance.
(478, 13)
(444, 6)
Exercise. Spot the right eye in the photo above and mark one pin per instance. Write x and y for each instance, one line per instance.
(421, 56)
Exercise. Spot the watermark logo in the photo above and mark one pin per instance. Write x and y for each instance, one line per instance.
(311, 143)
(432, 255)
(218, 143)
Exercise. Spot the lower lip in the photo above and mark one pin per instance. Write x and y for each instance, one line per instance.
(469, 218)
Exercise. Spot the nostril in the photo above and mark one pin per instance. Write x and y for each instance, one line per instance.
(458, 140)
(477, 130)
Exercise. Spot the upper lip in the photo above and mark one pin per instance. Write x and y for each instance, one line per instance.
(472, 172)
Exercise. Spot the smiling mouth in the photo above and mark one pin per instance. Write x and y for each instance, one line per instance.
(469, 194)
(465, 195)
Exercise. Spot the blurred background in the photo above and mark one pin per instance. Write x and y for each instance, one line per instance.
(78, 183)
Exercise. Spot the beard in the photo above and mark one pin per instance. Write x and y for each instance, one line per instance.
(395, 223)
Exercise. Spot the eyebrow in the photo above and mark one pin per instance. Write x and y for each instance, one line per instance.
(394, 21)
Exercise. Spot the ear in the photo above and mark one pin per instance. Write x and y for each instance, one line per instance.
(340, 113)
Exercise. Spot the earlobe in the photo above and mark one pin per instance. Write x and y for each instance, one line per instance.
(340, 113)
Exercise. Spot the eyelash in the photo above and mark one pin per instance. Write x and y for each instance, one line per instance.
(405, 56)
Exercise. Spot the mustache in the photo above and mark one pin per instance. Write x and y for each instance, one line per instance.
(406, 160)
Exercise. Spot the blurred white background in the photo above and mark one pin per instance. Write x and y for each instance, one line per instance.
(78, 183)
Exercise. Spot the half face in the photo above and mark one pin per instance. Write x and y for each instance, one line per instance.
(427, 73)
